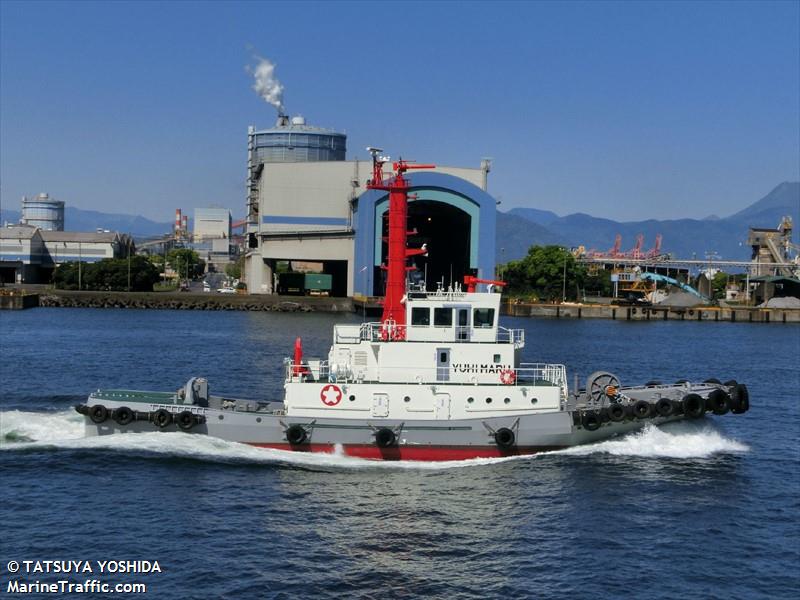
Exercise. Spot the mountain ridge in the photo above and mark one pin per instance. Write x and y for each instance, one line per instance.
(725, 237)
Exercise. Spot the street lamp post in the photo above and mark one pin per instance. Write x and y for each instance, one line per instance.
(129, 262)
(564, 286)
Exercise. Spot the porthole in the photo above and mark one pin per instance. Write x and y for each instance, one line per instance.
(407, 399)
(488, 401)
(470, 400)
(507, 400)
(221, 417)
(534, 400)
(352, 397)
(258, 419)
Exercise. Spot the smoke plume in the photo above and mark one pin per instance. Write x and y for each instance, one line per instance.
(266, 84)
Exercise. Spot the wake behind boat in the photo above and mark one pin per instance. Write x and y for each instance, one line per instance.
(437, 378)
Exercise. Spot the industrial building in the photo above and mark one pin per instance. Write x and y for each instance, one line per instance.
(211, 224)
(307, 203)
(29, 254)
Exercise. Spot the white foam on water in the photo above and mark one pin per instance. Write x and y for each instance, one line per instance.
(26, 430)
(675, 440)
(29, 430)
(17, 427)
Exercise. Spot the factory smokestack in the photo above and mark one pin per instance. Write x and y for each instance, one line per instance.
(266, 84)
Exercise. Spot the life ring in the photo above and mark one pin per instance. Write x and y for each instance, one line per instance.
(162, 418)
(642, 409)
(616, 413)
(504, 438)
(296, 434)
(98, 413)
(718, 402)
(185, 420)
(591, 420)
(385, 438)
(664, 407)
(694, 406)
(740, 399)
(123, 415)
(508, 377)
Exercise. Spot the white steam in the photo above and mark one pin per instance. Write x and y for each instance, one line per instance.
(266, 84)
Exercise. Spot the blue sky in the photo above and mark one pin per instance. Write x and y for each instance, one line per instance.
(626, 110)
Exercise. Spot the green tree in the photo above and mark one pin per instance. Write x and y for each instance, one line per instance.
(234, 270)
(185, 262)
(719, 285)
(108, 274)
(547, 272)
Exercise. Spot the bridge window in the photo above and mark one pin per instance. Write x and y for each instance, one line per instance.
(483, 317)
(443, 317)
(421, 316)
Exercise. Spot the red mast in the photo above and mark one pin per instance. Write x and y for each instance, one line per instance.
(394, 313)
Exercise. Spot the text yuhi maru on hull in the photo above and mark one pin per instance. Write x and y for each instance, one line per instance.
(436, 379)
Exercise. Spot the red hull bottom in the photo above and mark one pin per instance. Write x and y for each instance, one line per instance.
(422, 453)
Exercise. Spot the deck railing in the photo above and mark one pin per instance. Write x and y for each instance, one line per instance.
(527, 374)
(379, 332)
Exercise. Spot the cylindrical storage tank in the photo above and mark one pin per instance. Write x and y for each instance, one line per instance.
(295, 141)
(43, 212)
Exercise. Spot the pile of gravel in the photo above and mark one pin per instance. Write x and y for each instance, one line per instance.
(785, 302)
(681, 300)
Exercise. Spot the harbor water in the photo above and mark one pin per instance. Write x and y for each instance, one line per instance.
(706, 509)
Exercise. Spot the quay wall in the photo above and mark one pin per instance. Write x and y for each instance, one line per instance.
(653, 313)
(194, 301)
(18, 301)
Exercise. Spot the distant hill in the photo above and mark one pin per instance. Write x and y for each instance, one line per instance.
(515, 235)
(76, 219)
(683, 238)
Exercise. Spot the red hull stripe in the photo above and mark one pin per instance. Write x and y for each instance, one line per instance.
(427, 453)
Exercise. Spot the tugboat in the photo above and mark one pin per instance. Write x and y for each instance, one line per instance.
(437, 378)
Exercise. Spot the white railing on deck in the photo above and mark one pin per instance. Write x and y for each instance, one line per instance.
(525, 374)
(378, 332)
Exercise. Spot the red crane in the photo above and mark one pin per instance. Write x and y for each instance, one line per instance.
(471, 282)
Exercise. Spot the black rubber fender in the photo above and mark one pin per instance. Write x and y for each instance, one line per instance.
(123, 415)
(730, 383)
(162, 418)
(591, 420)
(385, 438)
(694, 406)
(185, 420)
(296, 434)
(505, 438)
(713, 380)
(664, 407)
(616, 413)
(82, 409)
(652, 383)
(740, 399)
(642, 409)
(98, 413)
(719, 402)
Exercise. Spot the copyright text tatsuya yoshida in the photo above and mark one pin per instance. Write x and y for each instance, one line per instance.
(77, 576)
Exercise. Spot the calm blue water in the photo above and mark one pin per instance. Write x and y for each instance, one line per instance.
(706, 510)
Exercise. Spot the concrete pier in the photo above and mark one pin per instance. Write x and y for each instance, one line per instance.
(653, 313)
(194, 301)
